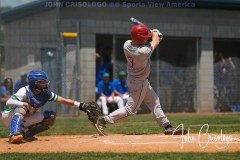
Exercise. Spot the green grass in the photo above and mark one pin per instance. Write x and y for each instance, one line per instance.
(142, 124)
(122, 156)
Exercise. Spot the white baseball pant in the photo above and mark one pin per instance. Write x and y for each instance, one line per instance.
(140, 91)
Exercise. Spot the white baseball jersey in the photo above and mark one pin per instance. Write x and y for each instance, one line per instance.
(18, 98)
(138, 60)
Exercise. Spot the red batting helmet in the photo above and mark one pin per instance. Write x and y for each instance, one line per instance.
(140, 33)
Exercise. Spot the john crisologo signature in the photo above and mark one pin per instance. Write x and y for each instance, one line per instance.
(204, 138)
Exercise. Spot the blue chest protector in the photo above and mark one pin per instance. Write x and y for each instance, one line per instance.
(37, 101)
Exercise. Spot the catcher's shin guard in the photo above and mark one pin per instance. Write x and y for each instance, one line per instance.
(16, 126)
(48, 121)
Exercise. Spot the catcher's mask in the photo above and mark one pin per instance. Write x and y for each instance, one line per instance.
(38, 82)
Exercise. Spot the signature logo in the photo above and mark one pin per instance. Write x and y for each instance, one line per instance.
(203, 138)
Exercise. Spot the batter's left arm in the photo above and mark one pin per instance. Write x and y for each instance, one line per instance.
(155, 40)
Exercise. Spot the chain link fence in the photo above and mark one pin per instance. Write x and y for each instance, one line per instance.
(226, 84)
(35, 44)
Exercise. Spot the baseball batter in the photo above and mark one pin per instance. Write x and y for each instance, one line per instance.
(138, 52)
(22, 117)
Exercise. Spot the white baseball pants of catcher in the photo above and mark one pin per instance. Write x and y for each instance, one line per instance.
(28, 121)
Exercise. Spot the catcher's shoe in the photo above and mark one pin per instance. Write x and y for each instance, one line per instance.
(29, 139)
(173, 131)
(100, 126)
(15, 139)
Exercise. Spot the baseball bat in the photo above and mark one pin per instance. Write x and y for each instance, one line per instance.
(137, 22)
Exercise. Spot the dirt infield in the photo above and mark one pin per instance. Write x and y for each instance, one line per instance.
(126, 143)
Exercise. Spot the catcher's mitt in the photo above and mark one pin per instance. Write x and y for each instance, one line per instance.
(92, 109)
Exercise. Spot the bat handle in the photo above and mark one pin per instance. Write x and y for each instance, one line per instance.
(160, 35)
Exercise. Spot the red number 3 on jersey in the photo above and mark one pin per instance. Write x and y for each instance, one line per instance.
(131, 61)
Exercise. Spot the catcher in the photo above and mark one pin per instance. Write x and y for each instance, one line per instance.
(22, 117)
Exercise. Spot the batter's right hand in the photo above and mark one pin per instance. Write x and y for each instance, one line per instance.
(154, 31)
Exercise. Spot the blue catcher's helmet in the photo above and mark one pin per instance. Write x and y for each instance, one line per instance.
(38, 80)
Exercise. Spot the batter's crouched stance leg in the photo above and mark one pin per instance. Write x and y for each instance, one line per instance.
(140, 91)
(152, 101)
